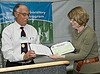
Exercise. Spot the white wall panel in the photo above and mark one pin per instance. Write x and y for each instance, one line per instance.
(97, 19)
(62, 28)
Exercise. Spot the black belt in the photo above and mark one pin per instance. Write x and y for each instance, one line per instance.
(11, 64)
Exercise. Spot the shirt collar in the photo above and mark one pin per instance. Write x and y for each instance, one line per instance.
(18, 25)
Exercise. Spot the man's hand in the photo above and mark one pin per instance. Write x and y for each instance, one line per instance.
(29, 55)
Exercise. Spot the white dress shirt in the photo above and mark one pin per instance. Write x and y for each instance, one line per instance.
(11, 41)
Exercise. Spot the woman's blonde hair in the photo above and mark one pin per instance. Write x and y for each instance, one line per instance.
(79, 14)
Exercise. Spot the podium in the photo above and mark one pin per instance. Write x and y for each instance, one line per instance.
(58, 67)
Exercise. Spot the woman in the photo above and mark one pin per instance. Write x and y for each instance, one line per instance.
(85, 42)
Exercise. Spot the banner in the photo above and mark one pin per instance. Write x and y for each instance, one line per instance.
(40, 17)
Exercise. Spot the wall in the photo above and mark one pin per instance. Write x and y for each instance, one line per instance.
(97, 19)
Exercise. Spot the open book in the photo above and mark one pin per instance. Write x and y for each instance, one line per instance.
(59, 48)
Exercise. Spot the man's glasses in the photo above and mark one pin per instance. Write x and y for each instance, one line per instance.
(24, 14)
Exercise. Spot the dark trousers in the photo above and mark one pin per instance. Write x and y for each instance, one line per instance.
(11, 64)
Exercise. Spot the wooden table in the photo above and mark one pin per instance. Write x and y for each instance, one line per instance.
(58, 67)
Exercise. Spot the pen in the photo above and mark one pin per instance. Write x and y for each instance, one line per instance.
(29, 44)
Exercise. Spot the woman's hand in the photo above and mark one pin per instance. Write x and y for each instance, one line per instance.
(57, 57)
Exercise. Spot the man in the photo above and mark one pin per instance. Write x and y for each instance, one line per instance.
(15, 44)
